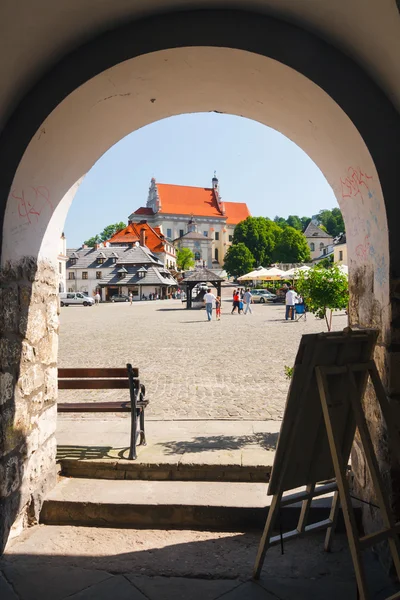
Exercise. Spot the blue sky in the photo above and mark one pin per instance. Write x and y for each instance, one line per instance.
(254, 164)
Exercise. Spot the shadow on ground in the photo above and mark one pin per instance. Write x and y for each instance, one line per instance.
(267, 441)
(91, 452)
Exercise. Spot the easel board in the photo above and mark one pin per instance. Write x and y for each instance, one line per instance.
(303, 454)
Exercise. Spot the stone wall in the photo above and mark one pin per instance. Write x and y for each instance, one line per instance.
(28, 390)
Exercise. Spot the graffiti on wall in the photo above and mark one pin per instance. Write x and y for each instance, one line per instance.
(356, 184)
(31, 203)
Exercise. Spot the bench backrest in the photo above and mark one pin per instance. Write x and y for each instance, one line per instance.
(96, 379)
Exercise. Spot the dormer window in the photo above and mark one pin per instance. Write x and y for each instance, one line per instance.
(122, 273)
(73, 261)
(100, 261)
(141, 272)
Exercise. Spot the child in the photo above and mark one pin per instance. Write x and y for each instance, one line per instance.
(218, 308)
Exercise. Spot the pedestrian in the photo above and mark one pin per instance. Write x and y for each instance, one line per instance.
(218, 308)
(97, 299)
(290, 301)
(209, 299)
(248, 299)
(241, 294)
(235, 301)
(130, 297)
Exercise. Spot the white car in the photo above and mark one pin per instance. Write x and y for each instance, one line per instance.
(75, 298)
(262, 296)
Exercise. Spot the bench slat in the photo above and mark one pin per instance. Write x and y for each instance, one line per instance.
(93, 372)
(94, 407)
(93, 384)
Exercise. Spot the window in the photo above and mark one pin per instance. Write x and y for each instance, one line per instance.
(217, 236)
(340, 254)
(312, 246)
(84, 274)
(70, 290)
(70, 296)
(205, 233)
(197, 256)
(98, 274)
(321, 245)
(71, 275)
(169, 233)
(73, 261)
(181, 232)
(59, 267)
(324, 252)
(231, 238)
(100, 261)
(216, 253)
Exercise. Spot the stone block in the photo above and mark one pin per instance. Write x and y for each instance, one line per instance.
(6, 387)
(36, 325)
(50, 384)
(10, 310)
(52, 314)
(32, 379)
(48, 348)
(10, 476)
(10, 354)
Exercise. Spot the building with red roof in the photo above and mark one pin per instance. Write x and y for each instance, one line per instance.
(171, 208)
(143, 234)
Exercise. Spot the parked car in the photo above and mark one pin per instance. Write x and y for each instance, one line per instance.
(119, 298)
(262, 296)
(75, 298)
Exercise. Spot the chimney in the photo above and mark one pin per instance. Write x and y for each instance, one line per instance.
(143, 236)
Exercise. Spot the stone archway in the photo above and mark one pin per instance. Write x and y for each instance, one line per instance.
(229, 62)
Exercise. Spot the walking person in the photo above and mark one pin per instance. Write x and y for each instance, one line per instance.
(209, 299)
(97, 299)
(218, 308)
(130, 298)
(290, 301)
(248, 299)
(235, 301)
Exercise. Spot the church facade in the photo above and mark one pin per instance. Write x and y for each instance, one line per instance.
(171, 207)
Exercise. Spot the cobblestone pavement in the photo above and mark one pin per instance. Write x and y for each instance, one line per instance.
(192, 368)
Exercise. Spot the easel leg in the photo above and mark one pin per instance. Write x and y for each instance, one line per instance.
(376, 477)
(333, 515)
(264, 542)
(343, 488)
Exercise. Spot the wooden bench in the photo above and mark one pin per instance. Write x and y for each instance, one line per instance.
(108, 379)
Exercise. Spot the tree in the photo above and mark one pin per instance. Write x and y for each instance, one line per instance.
(260, 236)
(91, 242)
(105, 235)
(304, 222)
(332, 220)
(238, 260)
(323, 290)
(295, 222)
(185, 259)
(292, 247)
(110, 230)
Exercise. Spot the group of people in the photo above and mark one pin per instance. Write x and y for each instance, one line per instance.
(242, 297)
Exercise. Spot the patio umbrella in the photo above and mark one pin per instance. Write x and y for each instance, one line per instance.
(253, 275)
(272, 274)
(294, 273)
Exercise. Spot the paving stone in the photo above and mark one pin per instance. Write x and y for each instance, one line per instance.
(31, 583)
(179, 588)
(249, 591)
(6, 591)
(192, 369)
(117, 588)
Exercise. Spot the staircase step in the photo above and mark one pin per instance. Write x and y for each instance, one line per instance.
(228, 506)
(166, 470)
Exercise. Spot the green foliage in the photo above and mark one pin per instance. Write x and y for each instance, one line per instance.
(325, 263)
(105, 235)
(110, 230)
(259, 235)
(238, 260)
(91, 242)
(323, 290)
(185, 259)
(292, 247)
(288, 372)
(295, 222)
(332, 220)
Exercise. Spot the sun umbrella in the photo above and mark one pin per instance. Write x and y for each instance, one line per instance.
(253, 275)
(294, 273)
(272, 274)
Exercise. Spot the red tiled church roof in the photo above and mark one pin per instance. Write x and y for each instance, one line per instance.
(143, 210)
(187, 200)
(236, 212)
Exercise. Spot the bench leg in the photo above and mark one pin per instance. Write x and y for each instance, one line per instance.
(132, 449)
(142, 432)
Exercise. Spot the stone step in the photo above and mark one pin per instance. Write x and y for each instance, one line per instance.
(170, 504)
(164, 469)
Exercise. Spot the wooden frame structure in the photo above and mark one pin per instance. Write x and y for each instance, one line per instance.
(329, 381)
(108, 378)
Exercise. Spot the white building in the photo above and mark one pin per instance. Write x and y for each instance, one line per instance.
(318, 241)
(170, 206)
(62, 264)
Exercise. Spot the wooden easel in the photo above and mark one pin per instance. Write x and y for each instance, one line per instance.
(323, 410)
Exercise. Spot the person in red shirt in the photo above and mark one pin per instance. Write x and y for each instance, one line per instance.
(236, 300)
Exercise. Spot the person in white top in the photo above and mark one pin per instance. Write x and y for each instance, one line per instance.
(209, 299)
(290, 301)
(97, 299)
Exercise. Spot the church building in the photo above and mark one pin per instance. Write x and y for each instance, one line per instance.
(170, 207)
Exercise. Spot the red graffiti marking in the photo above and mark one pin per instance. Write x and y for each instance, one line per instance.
(362, 250)
(355, 184)
(32, 202)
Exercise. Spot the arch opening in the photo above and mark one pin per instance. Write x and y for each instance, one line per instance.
(96, 115)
